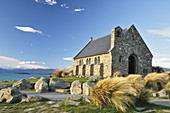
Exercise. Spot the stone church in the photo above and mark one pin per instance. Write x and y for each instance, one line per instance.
(123, 50)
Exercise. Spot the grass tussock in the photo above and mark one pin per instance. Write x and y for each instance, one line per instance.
(115, 92)
(167, 87)
(57, 73)
(156, 81)
(117, 73)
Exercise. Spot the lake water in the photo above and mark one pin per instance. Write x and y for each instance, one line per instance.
(7, 77)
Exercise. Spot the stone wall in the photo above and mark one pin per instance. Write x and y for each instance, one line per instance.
(127, 44)
(103, 59)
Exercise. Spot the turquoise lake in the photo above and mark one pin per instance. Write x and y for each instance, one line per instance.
(7, 77)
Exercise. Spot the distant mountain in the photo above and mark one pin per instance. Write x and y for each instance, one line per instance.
(28, 71)
(166, 69)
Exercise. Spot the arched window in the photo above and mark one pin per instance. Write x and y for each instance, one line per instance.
(98, 60)
(80, 62)
(118, 34)
(95, 60)
(120, 59)
(87, 61)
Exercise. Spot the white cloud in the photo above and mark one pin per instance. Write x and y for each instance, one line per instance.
(69, 59)
(28, 29)
(7, 62)
(49, 2)
(31, 62)
(78, 10)
(64, 6)
(162, 60)
(165, 32)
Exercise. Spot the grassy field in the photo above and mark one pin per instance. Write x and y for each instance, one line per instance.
(67, 79)
(39, 107)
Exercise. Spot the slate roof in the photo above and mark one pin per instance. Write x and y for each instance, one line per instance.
(95, 47)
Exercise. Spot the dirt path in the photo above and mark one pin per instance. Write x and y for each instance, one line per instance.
(164, 102)
(50, 95)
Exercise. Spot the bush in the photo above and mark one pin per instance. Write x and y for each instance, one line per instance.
(115, 74)
(64, 74)
(167, 87)
(156, 81)
(117, 92)
(136, 82)
(57, 73)
(144, 96)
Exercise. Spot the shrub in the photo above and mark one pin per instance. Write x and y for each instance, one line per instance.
(57, 73)
(144, 96)
(117, 92)
(117, 73)
(156, 81)
(167, 87)
(64, 74)
(136, 82)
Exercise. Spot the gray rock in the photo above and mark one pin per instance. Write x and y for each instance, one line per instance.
(71, 102)
(75, 98)
(76, 88)
(163, 93)
(4, 86)
(11, 95)
(95, 78)
(87, 87)
(34, 98)
(56, 83)
(22, 84)
(42, 85)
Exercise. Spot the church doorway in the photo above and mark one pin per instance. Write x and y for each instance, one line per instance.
(91, 69)
(84, 70)
(101, 69)
(77, 70)
(132, 69)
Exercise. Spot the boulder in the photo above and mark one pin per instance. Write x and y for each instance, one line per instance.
(76, 87)
(87, 87)
(95, 78)
(42, 85)
(22, 84)
(56, 83)
(163, 93)
(4, 86)
(34, 98)
(11, 95)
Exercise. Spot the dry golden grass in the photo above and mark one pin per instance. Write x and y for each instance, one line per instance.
(156, 81)
(116, 92)
(136, 82)
(57, 73)
(167, 86)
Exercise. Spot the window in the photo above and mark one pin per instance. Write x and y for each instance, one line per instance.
(87, 61)
(120, 59)
(95, 60)
(118, 34)
(80, 62)
(98, 60)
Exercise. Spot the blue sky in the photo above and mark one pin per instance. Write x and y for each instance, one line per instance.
(47, 33)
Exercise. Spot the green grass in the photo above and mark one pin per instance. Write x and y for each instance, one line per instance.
(89, 108)
(67, 79)
(71, 79)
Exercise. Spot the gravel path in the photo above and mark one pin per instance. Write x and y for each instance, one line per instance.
(50, 95)
(164, 102)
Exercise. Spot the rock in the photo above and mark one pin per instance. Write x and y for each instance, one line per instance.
(87, 87)
(42, 85)
(140, 108)
(22, 84)
(4, 86)
(71, 102)
(32, 78)
(11, 95)
(34, 98)
(76, 87)
(163, 93)
(61, 90)
(95, 78)
(51, 102)
(56, 83)
(76, 98)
